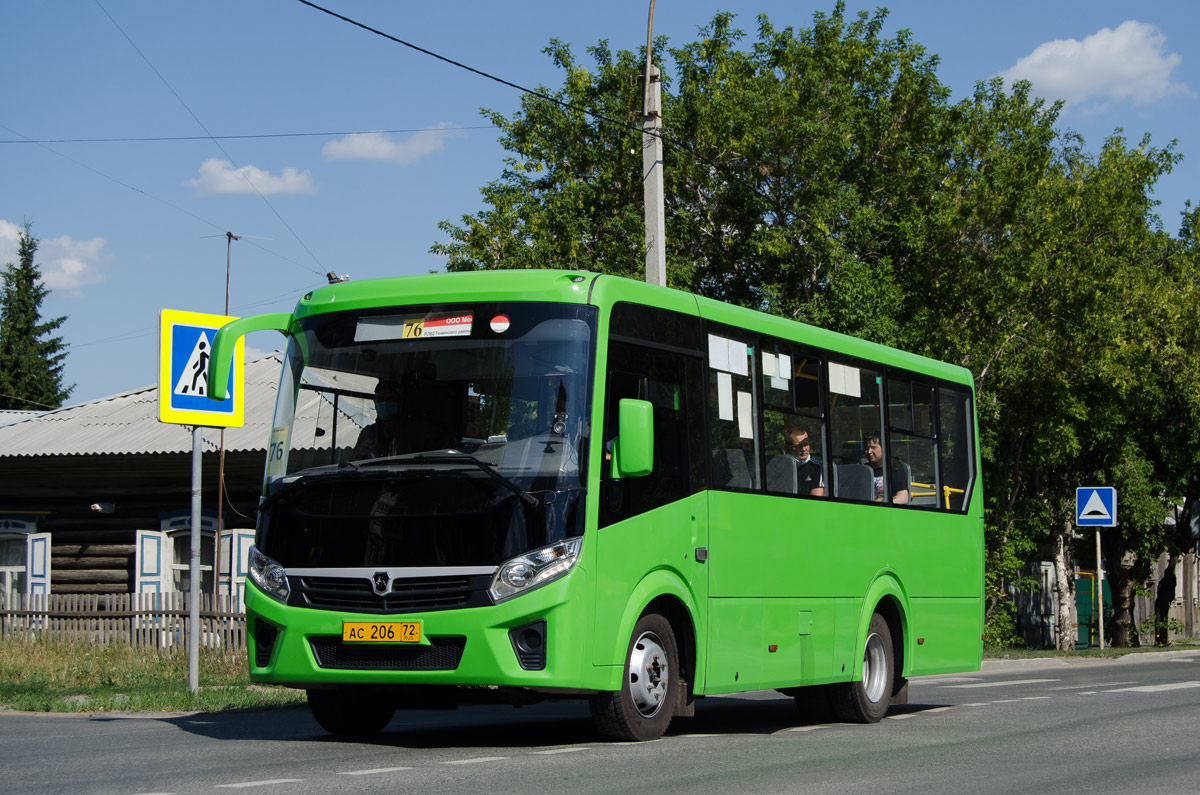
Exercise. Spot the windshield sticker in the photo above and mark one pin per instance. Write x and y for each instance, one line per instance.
(276, 452)
(457, 324)
(500, 324)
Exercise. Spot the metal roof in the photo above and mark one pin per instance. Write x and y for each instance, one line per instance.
(127, 423)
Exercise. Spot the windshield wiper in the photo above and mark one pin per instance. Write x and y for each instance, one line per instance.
(460, 458)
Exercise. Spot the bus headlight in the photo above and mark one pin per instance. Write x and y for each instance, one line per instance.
(268, 575)
(534, 569)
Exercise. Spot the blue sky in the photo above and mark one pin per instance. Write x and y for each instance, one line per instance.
(131, 227)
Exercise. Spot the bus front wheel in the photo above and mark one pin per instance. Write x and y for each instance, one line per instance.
(643, 707)
(345, 712)
(866, 701)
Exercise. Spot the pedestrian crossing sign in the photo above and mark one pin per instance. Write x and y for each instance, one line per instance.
(184, 351)
(1096, 506)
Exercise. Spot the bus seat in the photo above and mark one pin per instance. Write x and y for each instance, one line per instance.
(854, 482)
(781, 474)
(730, 469)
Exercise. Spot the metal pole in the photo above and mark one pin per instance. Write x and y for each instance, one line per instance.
(1099, 589)
(229, 238)
(194, 570)
(652, 166)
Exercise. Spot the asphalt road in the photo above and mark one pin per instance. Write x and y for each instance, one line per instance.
(1128, 725)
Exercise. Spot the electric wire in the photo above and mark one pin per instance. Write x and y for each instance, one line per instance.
(682, 144)
(208, 133)
(243, 137)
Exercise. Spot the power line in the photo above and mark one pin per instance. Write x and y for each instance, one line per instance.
(481, 73)
(682, 144)
(248, 136)
(210, 135)
(148, 195)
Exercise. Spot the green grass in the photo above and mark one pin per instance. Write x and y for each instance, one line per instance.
(62, 676)
(1022, 653)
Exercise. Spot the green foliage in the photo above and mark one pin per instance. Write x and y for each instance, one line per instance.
(31, 361)
(822, 174)
(1147, 631)
(999, 628)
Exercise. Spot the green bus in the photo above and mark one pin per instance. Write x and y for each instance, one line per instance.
(519, 485)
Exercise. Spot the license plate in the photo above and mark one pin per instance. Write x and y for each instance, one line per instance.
(381, 631)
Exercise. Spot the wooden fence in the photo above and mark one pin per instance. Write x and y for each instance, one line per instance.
(143, 620)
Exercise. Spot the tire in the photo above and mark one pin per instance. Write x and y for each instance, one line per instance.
(643, 707)
(866, 701)
(350, 714)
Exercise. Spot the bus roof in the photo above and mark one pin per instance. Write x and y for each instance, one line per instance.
(581, 287)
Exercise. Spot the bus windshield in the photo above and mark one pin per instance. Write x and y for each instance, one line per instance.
(434, 435)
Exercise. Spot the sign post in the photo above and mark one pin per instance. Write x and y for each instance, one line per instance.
(1096, 506)
(184, 351)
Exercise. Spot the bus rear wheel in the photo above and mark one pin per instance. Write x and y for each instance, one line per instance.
(866, 701)
(643, 707)
(349, 713)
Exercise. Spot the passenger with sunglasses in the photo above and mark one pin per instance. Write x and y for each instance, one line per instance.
(808, 469)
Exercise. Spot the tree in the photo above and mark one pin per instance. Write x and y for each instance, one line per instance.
(821, 174)
(31, 361)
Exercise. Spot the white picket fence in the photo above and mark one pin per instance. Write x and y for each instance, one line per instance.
(143, 620)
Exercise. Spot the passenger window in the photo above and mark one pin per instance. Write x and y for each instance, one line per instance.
(733, 418)
(861, 468)
(957, 460)
(793, 426)
(911, 441)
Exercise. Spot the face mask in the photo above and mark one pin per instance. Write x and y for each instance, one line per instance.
(386, 410)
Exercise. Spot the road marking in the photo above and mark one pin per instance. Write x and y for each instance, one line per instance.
(1155, 688)
(1006, 701)
(1033, 698)
(1087, 692)
(947, 680)
(700, 734)
(263, 783)
(1005, 683)
(475, 761)
(560, 751)
(975, 704)
(899, 717)
(1091, 684)
(372, 772)
(806, 728)
(938, 709)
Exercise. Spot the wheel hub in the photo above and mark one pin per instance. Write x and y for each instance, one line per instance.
(648, 674)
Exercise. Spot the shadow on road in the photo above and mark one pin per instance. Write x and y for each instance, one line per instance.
(549, 724)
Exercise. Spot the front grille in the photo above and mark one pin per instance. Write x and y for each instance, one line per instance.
(406, 595)
(443, 654)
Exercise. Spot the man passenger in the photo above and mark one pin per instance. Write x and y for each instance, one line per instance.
(798, 446)
(898, 480)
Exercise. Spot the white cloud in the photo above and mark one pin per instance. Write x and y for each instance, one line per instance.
(8, 242)
(219, 177)
(1126, 64)
(66, 264)
(379, 146)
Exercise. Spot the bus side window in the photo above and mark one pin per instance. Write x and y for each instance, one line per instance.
(733, 416)
(793, 411)
(956, 448)
(658, 377)
(856, 416)
(911, 439)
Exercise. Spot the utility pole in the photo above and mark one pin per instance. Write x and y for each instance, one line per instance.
(229, 238)
(652, 164)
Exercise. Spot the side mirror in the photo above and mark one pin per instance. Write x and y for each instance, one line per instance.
(225, 340)
(633, 453)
